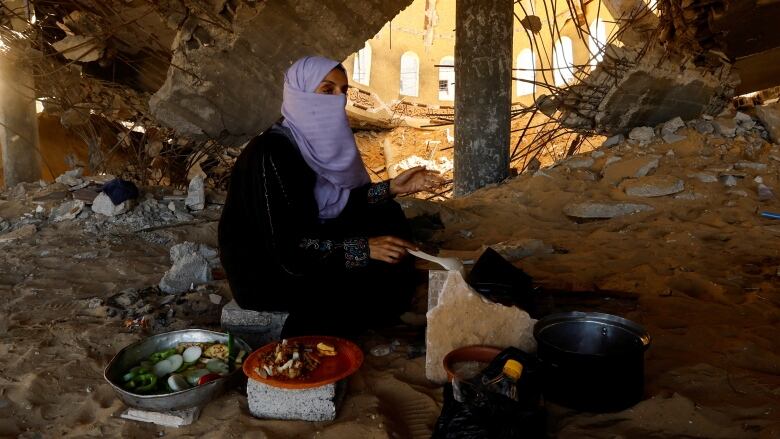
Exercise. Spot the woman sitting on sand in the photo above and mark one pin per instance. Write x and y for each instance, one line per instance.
(304, 230)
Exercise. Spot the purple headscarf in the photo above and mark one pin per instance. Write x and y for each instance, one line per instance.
(320, 127)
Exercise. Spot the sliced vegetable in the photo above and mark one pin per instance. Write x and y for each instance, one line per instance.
(208, 378)
(143, 383)
(231, 351)
(192, 376)
(132, 373)
(177, 382)
(161, 355)
(217, 366)
(218, 351)
(176, 362)
(191, 354)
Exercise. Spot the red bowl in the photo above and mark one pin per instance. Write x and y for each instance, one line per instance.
(483, 354)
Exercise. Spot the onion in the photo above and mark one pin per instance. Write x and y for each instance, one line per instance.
(176, 362)
(192, 353)
(177, 382)
(169, 365)
(192, 376)
(217, 366)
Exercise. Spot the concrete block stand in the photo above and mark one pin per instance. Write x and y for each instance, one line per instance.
(317, 404)
(254, 327)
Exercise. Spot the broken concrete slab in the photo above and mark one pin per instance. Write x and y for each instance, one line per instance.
(726, 127)
(103, 205)
(642, 135)
(703, 126)
(672, 126)
(176, 419)
(257, 328)
(603, 210)
(753, 166)
(614, 140)
(314, 405)
(67, 211)
(196, 194)
(632, 168)
(579, 162)
(462, 317)
(672, 138)
(652, 186)
(704, 177)
(188, 270)
(769, 115)
(71, 177)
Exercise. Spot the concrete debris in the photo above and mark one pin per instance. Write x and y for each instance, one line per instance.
(462, 317)
(726, 127)
(597, 154)
(764, 192)
(179, 251)
(728, 180)
(579, 162)
(703, 126)
(691, 196)
(254, 327)
(769, 115)
(672, 138)
(80, 48)
(672, 126)
(704, 177)
(71, 178)
(614, 140)
(643, 135)
(67, 211)
(603, 210)
(615, 172)
(652, 186)
(738, 193)
(196, 194)
(753, 166)
(104, 206)
(25, 231)
(189, 268)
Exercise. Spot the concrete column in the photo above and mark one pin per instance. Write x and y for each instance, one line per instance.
(18, 122)
(483, 92)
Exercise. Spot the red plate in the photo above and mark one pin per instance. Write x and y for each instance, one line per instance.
(347, 361)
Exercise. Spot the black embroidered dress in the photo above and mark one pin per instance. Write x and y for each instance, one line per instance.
(279, 256)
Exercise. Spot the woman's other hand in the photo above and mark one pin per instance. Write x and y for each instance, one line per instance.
(415, 180)
(388, 248)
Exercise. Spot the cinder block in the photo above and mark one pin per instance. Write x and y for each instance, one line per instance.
(316, 404)
(254, 327)
(177, 418)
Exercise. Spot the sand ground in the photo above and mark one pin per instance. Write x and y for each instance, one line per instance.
(700, 272)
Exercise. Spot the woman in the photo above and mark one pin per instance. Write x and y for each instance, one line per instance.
(304, 230)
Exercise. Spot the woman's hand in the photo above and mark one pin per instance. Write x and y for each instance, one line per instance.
(388, 248)
(414, 180)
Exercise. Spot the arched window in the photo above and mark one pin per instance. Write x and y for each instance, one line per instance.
(361, 72)
(597, 40)
(563, 61)
(526, 64)
(410, 74)
(447, 79)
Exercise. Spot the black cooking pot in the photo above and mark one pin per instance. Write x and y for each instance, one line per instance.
(591, 361)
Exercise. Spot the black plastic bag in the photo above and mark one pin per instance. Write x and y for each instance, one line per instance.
(500, 281)
(487, 415)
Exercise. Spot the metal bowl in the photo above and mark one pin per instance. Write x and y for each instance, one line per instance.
(133, 354)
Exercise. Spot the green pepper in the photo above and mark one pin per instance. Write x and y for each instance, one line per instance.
(132, 373)
(143, 383)
(162, 355)
(231, 351)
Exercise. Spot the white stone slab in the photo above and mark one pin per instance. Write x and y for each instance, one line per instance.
(176, 419)
(316, 404)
